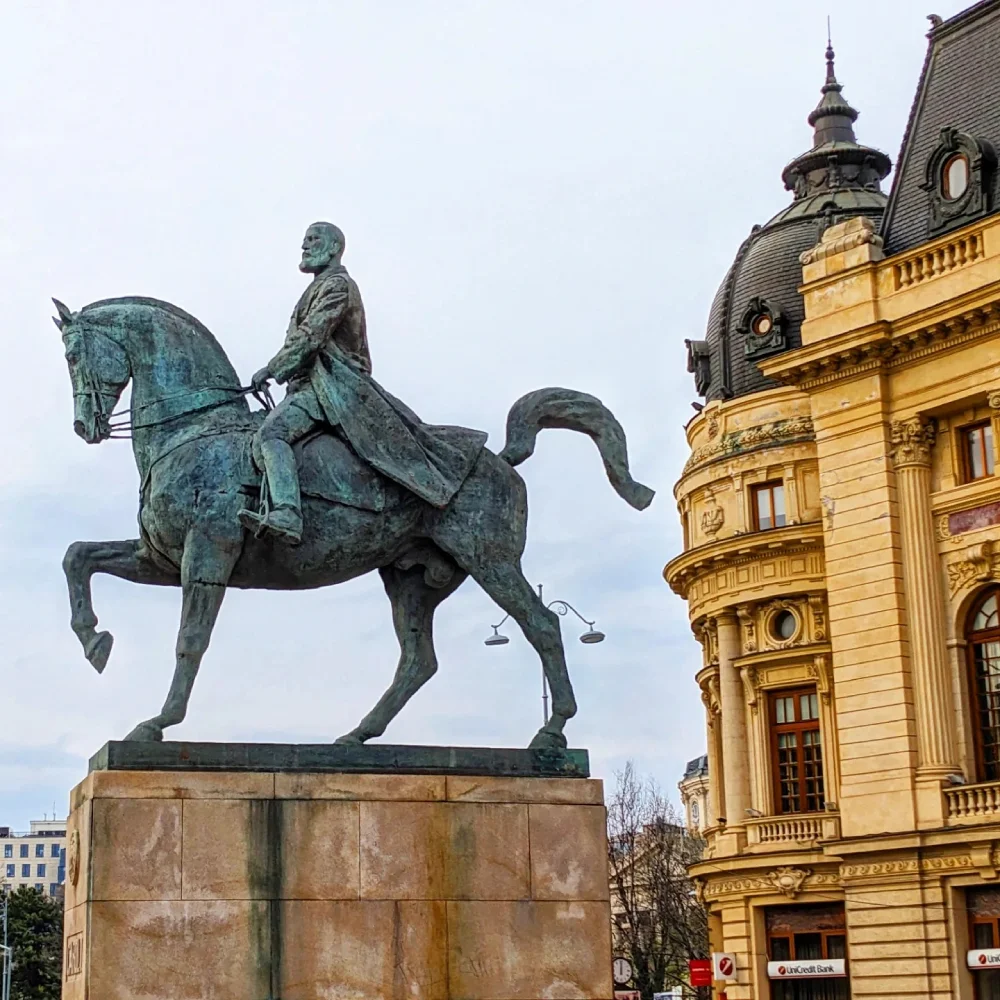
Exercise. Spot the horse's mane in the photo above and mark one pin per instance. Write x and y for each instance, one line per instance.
(169, 307)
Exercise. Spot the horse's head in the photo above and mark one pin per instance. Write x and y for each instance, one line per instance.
(99, 370)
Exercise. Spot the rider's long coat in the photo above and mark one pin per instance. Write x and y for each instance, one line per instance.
(326, 351)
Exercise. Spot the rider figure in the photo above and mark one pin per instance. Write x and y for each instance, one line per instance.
(328, 320)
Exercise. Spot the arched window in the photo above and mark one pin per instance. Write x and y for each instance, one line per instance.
(983, 635)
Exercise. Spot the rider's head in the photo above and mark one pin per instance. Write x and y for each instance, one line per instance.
(322, 245)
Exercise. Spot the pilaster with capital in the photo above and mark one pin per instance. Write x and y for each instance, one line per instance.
(911, 444)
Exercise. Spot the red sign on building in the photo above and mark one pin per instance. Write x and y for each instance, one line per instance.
(700, 971)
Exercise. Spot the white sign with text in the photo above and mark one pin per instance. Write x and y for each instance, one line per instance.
(983, 958)
(807, 968)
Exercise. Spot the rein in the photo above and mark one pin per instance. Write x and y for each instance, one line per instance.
(124, 428)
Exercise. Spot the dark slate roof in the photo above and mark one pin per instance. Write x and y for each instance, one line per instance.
(696, 768)
(959, 87)
(836, 179)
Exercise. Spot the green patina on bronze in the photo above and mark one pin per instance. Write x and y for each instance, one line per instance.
(353, 481)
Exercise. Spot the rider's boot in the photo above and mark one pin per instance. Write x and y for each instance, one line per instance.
(285, 516)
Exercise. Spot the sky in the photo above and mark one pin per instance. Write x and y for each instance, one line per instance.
(533, 194)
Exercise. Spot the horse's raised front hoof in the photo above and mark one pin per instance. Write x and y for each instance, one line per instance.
(99, 649)
(146, 732)
(548, 739)
(353, 738)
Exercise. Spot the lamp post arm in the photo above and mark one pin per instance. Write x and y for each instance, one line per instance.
(564, 607)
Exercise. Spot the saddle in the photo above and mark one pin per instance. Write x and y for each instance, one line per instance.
(330, 470)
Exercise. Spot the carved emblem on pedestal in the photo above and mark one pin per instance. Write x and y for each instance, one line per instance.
(73, 857)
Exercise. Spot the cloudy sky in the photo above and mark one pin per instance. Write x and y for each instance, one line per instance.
(533, 194)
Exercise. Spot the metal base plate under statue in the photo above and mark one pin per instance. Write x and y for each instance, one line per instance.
(269, 872)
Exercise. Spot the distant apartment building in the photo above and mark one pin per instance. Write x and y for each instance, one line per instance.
(36, 858)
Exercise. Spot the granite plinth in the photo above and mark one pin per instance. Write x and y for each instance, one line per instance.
(125, 755)
(323, 884)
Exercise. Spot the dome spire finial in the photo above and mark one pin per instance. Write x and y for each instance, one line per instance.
(830, 75)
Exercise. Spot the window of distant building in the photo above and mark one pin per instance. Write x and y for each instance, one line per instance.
(25, 871)
(39, 887)
(796, 751)
(24, 850)
(976, 445)
(55, 851)
(8, 850)
(39, 850)
(40, 871)
(955, 176)
(53, 888)
(768, 506)
(10, 871)
(983, 645)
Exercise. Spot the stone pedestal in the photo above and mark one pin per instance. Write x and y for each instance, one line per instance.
(257, 884)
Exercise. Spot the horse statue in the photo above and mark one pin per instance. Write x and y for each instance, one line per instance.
(191, 429)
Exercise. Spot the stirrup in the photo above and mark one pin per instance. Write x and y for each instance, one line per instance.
(260, 524)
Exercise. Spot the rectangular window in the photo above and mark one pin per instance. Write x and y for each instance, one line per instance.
(807, 933)
(977, 451)
(39, 850)
(25, 871)
(39, 887)
(8, 850)
(55, 851)
(10, 871)
(53, 888)
(40, 871)
(768, 506)
(796, 751)
(24, 850)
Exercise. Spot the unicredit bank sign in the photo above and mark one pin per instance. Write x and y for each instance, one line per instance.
(808, 969)
(983, 958)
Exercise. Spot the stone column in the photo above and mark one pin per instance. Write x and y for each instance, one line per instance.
(734, 728)
(911, 443)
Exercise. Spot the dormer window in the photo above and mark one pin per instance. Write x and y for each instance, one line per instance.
(958, 180)
(955, 177)
(762, 327)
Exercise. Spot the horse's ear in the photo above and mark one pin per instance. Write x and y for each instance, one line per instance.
(64, 314)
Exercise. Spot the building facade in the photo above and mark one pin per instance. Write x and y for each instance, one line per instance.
(694, 795)
(36, 859)
(841, 563)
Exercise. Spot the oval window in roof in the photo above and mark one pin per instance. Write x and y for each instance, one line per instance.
(955, 177)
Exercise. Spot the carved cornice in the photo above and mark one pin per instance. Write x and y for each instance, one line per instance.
(739, 442)
(878, 346)
(911, 441)
(738, 550)
(787, 880)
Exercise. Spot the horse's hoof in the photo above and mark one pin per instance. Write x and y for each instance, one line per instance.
(349, 740)
(548, 739)
(146, 732)
(99, 649)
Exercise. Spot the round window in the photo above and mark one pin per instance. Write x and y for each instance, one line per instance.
(955, 177)
(784, 625)
(762, 325)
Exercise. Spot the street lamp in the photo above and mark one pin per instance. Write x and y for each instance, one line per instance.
(589, 637)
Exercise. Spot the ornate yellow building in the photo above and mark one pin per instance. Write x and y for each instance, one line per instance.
(841, 515)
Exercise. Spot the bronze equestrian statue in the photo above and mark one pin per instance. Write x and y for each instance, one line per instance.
(338, 480)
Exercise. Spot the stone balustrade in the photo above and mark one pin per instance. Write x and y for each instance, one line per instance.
(973, 803)
(918, 267)
(800, 830)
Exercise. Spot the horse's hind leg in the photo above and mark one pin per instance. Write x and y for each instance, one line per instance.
(413, 605)
(505, 583)
(126, 560)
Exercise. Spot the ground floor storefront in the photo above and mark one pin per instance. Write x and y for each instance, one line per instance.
(904, 924)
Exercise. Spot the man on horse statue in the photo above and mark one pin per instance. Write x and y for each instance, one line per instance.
(326, 367)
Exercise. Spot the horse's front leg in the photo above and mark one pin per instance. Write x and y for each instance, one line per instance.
(206, 566)
(126, 560)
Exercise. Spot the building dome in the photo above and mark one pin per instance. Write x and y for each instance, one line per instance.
(757, 311)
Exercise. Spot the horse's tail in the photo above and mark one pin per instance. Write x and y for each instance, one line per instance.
(574, 411)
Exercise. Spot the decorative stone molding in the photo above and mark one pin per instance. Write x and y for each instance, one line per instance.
(980, 565)
(713, 425)
(710, 696)
(845, 236)
(789, 880)
(751, 684)
(767, 883)
(908, 866)
(817, 607)
(745, 613)
(767, 614)
(911, 441)
(738, 442)
(699, 890)
(993, 400)
(712, 517)
(821, 670)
